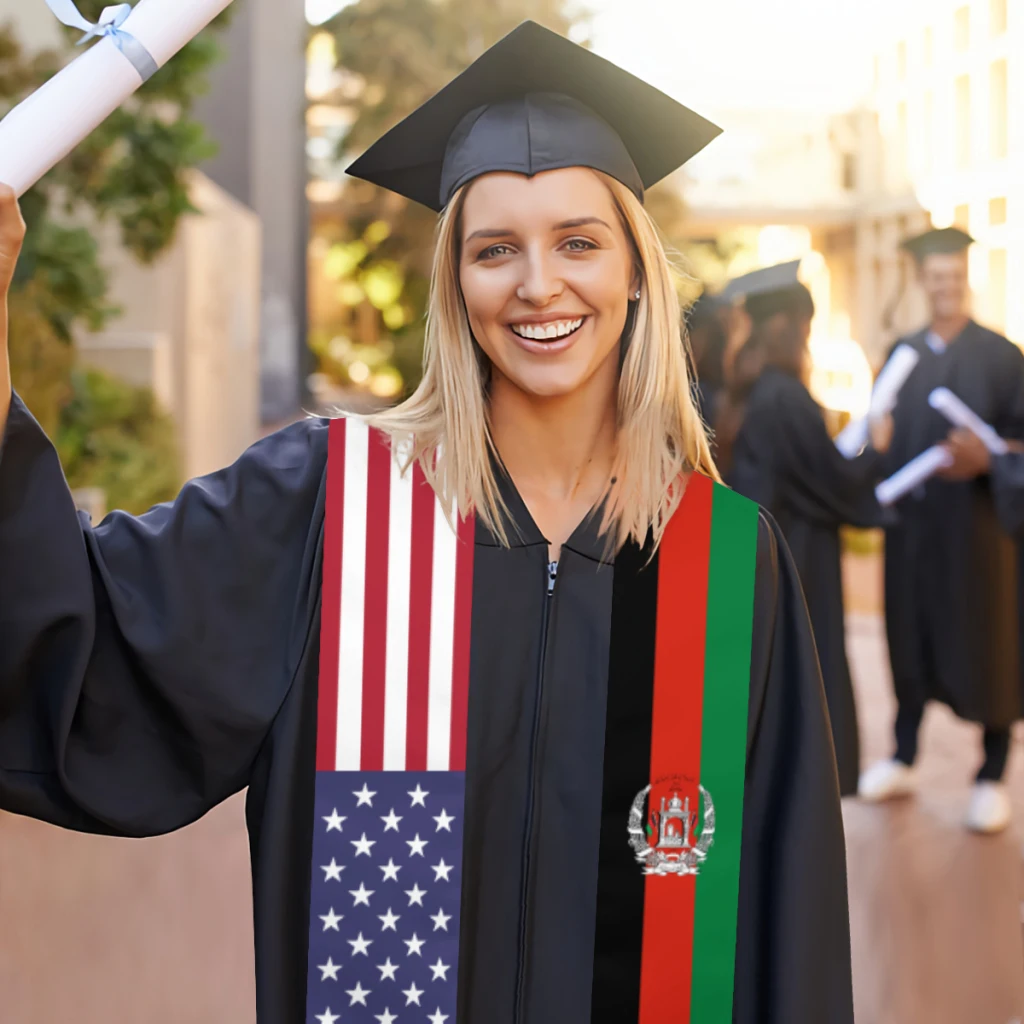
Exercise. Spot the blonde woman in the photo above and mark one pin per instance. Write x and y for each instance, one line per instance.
(526, 703)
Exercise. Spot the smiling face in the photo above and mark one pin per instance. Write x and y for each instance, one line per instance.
(944, 278)
(547, 272)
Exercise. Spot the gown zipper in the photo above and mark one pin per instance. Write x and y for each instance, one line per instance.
(552, 576)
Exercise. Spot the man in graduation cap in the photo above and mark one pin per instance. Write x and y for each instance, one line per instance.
(950, 568)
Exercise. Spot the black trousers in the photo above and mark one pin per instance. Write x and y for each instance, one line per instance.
(996, 743)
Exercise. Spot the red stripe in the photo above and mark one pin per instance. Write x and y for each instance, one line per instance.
(460, 656)
(330, 600)
(667, 960)
(375, 623)
(419, 621)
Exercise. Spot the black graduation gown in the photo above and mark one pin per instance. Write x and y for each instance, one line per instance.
(950, 568)
(152, 666)
(785, 460)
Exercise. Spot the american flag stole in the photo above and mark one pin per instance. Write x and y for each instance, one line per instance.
(391, 742)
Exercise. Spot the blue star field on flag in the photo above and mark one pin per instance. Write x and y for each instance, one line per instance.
(384, 919)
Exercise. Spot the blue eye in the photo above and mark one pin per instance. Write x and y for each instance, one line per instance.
(493, 251)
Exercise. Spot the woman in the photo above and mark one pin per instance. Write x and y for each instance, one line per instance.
(706, 329)
(784, 458)
(538, 671)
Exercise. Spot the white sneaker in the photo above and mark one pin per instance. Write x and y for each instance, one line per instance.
(886, 780)
(989, 809)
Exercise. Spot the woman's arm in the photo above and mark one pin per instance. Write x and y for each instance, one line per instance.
(12, 233)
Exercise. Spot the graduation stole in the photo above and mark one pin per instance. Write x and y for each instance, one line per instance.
(391, 751)
(678, 694)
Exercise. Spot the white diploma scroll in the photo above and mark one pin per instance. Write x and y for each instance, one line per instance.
(133, 42)
(912, 475)
(854, 436)
(961, 415)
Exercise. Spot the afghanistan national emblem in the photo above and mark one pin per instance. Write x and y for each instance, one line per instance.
(667, 842)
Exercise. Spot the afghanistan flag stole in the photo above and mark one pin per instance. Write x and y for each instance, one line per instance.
(391, 741)
(678, 693)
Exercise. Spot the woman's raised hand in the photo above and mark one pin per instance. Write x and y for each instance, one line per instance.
(12, 233)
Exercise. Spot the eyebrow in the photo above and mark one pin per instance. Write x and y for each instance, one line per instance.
(576, 222)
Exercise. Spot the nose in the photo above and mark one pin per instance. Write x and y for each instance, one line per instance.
(540, 284)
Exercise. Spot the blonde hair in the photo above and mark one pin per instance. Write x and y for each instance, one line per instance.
(444, 425)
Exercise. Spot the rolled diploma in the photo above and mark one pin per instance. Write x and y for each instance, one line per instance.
(961, 415)
(912, 475)
(854, 436)
(56, 117)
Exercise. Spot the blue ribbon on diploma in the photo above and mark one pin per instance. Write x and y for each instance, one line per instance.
(109, 25)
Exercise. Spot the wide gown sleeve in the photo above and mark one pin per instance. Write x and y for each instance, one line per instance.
(820, 483)
(1007, 476)
(793, 950)
(142, 661)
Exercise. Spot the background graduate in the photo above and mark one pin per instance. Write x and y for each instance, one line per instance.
(950, 567)
(307, 618)
(784, 458)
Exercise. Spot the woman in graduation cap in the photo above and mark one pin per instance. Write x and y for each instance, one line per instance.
(526, 703)
(950, 568)
(784, 458)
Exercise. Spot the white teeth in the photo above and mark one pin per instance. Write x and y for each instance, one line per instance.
(544, 332)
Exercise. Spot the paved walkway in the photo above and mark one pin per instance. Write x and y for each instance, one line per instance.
(100, 931)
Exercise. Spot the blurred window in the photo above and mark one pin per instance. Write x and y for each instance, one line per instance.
(901, 60)
(929, 42)
(849, 171)
(997, 17)
(962, 29)
(901, 119)
(963, 121)
(962, 216)
(997, 210)
(928, 132)
(997, 110)
(997, 287)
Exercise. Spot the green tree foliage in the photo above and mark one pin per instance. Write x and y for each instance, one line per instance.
(131, 171)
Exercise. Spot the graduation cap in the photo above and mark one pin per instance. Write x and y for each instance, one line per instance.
(936, 241)
(770, 290)
(535, 102)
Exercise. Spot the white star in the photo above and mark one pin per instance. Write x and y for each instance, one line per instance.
(387, 1017)
(442, 870)
(390, 920)
(391, 821)
(331, 919)
(387, 970)
(419, 796)
(327, 1017)
(361, 895)
(358, 994)
(332, 872)
(416, 846)
(334, 820)
(330, 970)
(363, 845)
(360, 945)
(365, 796)
(441, 920)
(390, 870)
(414, 944)
(444, 821)
(415, 894)
(412, 994)
(437, 1018)
(440, 970)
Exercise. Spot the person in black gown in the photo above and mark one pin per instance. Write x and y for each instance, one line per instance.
(707, 334)
(784, 458)
(950, 567)
(150, 667)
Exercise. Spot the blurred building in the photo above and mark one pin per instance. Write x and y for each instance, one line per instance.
(940, 140)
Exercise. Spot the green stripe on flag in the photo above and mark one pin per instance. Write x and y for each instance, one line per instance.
(724, 750)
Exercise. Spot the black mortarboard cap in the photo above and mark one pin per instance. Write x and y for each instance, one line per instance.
(936, 241)
(535, 102)
(781, 277)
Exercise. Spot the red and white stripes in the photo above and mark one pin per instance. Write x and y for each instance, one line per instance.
(396, 615)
